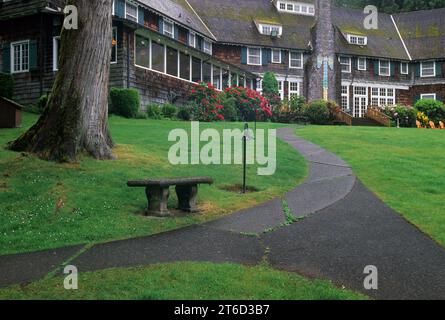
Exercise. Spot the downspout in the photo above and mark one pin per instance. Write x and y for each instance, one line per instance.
(42, 56)
(128, 60)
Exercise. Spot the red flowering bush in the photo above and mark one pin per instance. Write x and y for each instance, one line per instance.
(207, 103)
(250, 104)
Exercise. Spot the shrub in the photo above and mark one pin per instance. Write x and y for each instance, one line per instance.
(6, 85)
(141, 115)
(407, 115)
(185, 111)
(207, 103)
(291, 111)
(433, 109)
(169, 111)
(42, 102)
(270, 90)
(229, 108)
(318, 112)
(124, 102)
(250, 105)
(154, 112)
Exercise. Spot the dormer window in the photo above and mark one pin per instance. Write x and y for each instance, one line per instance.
(270, 30)
(357, 40)
(296, 7)
(169, 28)
(131, 11)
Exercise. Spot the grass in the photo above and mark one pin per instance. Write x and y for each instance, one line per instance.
(185, 281)
(46, 205)
(404, 167)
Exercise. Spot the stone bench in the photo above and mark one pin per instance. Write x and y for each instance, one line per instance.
(158, 192)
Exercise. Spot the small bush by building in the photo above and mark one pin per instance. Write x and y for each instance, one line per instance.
(169, 111)
(124, 102)
(154, 111)
(207, 103)
(433, 109)
(318, 111)
(406, 115)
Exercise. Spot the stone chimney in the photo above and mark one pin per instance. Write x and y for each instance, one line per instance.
(323, 70)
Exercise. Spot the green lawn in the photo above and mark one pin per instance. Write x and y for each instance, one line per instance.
(404, 167)
(192, 281)
(46, 205)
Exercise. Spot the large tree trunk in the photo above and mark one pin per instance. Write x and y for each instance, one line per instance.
(75, 118)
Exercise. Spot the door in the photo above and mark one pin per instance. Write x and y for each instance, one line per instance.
(360, 102)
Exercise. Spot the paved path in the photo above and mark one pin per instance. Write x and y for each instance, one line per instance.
(345, 228)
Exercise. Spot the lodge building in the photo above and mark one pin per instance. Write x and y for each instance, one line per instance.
(163, 47)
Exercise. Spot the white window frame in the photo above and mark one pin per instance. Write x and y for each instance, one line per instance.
(56, 41)
(301, 8)
(207, 46)
(279, 56)
(129, 15)
(345, 95)
(365, 64)
(260, 56)
(262, 26)
(114, 30)
(434, 69)
(293, 92)
(383, 96)
(170, 23)
(428, 94)
(354, 39)
(301, 58)
(380, 68)
(192, 36)
(348, 64)
(401, 67)
(13, 45)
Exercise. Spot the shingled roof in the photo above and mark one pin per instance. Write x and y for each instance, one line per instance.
(383, 42)
(232, 22)
(423, 33)
(180, 11)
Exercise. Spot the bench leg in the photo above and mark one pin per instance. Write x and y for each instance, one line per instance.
(187, 198)
(157, 201)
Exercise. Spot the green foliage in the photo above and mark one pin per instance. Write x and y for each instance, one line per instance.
(124, 102)
(433, 109)
(169, 111)
(270, 90)
(393, 6)
(250, 104)
(407, 115)
(292, 111)
(42, 102)
(318, 112)
(207, 102)
(270, 83)
(229, 110)
(185, 111)
(6, 85)
(154, 111)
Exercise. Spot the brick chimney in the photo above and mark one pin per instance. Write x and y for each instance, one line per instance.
(323, 70)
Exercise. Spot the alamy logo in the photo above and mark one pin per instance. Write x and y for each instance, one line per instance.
(71, 21)
(188, 150)
(372, 20)
(371, 281)
(71, 280)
